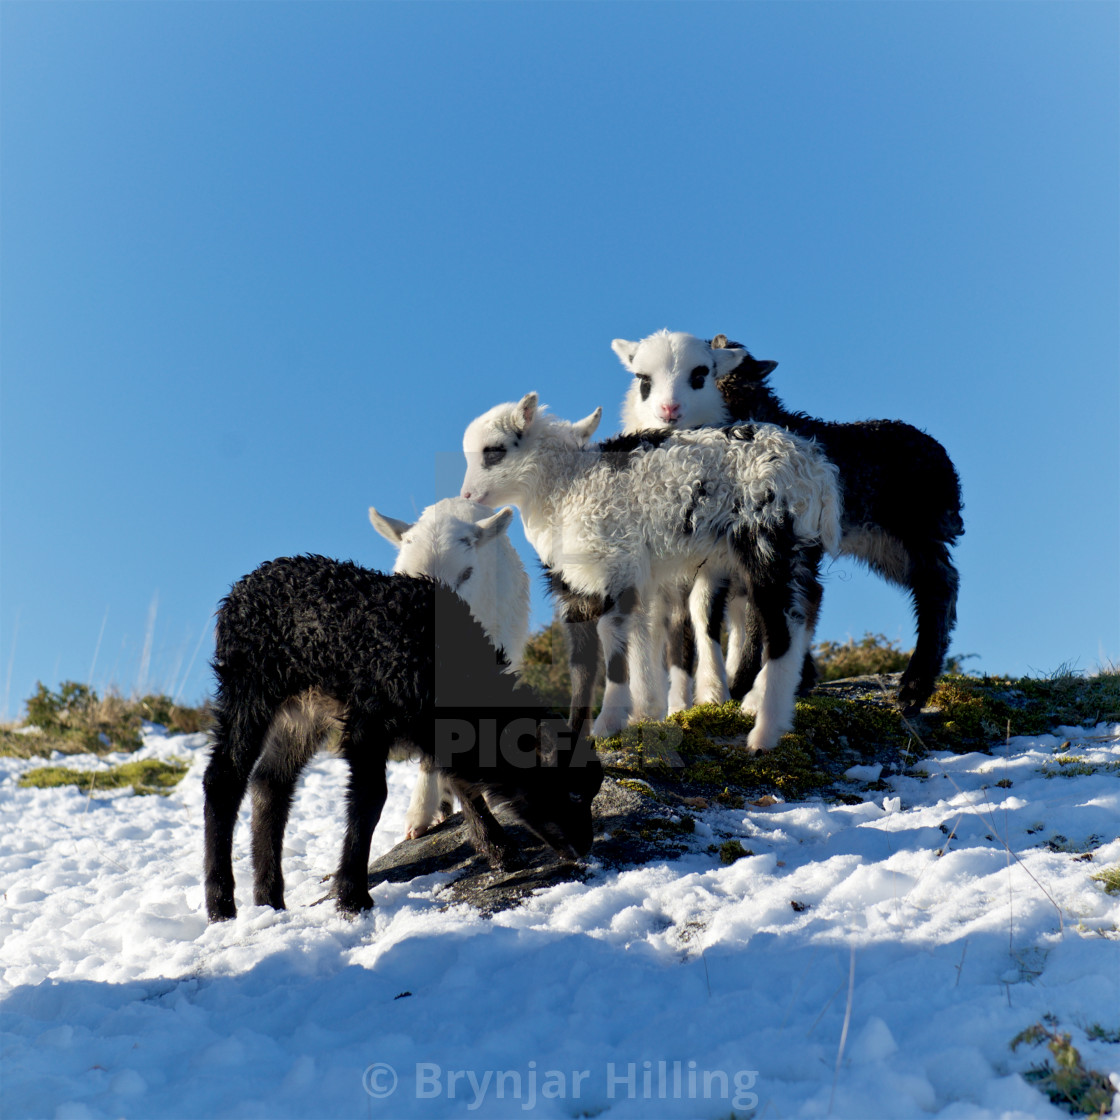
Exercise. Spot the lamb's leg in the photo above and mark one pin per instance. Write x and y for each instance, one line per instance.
(580, 614)
(486, 834)
(647, 696)
(227, 776)
(365, 798)
(432, 800)
(744, 652)
(289, 746)
(706, 602)
(614, 634)
(681, 650)
(933, 582)
(744, 642)
(786, 595)
(658, 623)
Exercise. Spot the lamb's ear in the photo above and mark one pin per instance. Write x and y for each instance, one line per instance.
(754, 370)
(739, 361)
(625, 351)
(494, 525)
(524, 412)
(389, 527)
(725, 358)
(585, 428)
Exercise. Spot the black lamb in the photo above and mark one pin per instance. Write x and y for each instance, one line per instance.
(902, 512)
(308, 648)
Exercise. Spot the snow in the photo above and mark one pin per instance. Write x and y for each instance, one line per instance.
(933, 923)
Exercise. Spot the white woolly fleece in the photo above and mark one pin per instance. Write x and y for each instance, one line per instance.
(608, 528)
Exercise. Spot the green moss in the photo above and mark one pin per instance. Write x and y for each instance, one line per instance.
(661, 829)
(643, 789)
(1065, 1080)
(969, 718)
(731, 850)
(1075, 765)
(976, 712)
(835, 727)
(147, 775)
(705, 747)
(712, 721)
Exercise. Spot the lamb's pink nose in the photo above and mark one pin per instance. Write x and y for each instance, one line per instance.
(670, 411)
(465, 493)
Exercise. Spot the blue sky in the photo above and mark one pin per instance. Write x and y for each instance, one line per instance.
(262, 263)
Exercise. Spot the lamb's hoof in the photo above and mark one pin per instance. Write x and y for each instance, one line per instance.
(354, 903)
(220, 909)
(610, 722)
(913, 695)
(764, 736)
(505, 859)
(416, 831)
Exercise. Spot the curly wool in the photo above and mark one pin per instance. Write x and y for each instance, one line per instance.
(610, 519)
(307, 645)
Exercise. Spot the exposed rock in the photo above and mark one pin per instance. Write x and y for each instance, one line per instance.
(632, 827)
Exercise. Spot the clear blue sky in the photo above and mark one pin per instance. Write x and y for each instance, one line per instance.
(261, 264)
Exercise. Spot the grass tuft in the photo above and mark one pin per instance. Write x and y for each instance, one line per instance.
(75, 720)
(1065, 1080)
(1109, 878)
(147, 775)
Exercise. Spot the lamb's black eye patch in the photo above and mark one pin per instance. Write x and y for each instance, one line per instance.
(492, 456)
(645, 383)
(696, 377)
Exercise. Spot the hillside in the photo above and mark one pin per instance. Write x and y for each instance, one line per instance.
(877, 920)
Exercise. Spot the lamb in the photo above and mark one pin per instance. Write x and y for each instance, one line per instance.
(308, 648)
(901, 493)
(464, 546)
(615, 521)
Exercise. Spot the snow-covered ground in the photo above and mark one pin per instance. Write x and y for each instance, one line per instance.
(682, 989)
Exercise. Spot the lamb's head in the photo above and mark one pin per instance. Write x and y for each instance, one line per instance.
(553, 797)
(445, 542)
(502, 448)
(677, 378)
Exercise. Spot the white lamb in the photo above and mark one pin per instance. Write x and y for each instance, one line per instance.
(675, 387)
(615, 521)
(464, 546)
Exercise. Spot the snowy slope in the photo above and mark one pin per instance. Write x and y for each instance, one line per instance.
(684, 989)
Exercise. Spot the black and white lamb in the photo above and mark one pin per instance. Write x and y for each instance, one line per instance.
(310, 649)
(615, 522)
(901, 494)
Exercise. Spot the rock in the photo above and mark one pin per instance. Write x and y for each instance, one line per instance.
(630, 828)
